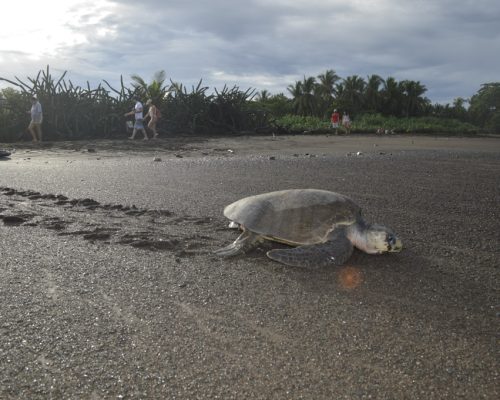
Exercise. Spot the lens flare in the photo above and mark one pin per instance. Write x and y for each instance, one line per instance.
(350, 277)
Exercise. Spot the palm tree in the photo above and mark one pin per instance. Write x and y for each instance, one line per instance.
(296, 91)
(459, 111)
(392, 96)
(327, 82)
(326, 90)
(413, 100)
(263, 95)
(372, 93)
(309, 103)
(156, 90)
(303, 96)
(350, 97)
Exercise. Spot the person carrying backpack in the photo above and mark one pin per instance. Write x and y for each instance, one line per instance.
(154, 115)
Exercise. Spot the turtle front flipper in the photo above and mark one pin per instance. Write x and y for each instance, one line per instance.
(335, 252)
(246, 241)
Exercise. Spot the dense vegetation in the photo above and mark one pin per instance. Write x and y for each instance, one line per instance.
(74, 112)
(371, 123)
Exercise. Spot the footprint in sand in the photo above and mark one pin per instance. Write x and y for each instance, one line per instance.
(12, 220)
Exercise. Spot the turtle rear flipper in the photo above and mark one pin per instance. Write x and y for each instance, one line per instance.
(317, 255)
(246, 241)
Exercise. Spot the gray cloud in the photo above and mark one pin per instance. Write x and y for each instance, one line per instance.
(450, 46)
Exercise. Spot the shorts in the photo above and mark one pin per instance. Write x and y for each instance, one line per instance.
(335, 124)
(138, 124)
(37, 125)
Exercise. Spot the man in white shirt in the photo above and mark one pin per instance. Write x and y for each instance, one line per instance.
(35, 126)
(139, 119)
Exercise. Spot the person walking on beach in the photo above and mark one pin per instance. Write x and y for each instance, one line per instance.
(153, 114)
(139, 120)
(35, 126)
(346, 123)
(335, 118)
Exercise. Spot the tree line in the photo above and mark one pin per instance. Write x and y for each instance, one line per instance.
(318, 96)
(79, 112)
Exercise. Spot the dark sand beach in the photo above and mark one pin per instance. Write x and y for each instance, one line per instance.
(110, 288)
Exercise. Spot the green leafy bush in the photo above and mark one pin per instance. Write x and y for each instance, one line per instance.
(299, 123)
(370, 123)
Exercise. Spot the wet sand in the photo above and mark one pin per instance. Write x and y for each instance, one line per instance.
(110, 287)
(255, 145)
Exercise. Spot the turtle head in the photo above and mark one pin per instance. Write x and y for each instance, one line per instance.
(377, 239)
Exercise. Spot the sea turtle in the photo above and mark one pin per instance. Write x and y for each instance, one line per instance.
(324, 226)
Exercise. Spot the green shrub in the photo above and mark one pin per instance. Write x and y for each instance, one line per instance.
(370, 123)
(299, 123)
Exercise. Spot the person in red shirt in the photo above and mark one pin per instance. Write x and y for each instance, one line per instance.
(335, 120)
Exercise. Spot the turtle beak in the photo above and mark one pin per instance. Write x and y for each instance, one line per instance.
(396, 246)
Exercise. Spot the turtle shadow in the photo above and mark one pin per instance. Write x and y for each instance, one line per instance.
(349, 277)
(358, 258)
(406, 285)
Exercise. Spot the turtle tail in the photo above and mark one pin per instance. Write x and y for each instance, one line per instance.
(245, 242)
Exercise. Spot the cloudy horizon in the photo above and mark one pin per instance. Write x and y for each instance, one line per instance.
(451, 47)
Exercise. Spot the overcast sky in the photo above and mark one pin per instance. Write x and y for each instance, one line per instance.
(451, 46)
